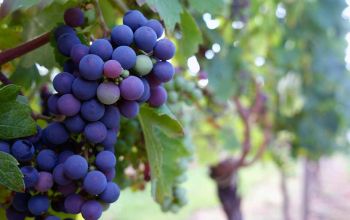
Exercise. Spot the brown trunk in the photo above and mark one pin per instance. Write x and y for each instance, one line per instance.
(285, 195)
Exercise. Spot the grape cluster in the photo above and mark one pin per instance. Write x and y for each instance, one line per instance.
(69, 165)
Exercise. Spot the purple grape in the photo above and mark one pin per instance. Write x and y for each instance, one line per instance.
(75, 167)
(91, 210)
(109, 148)
(122, 35)
(110, 139)
(74, 124)
(65, 43)
(67, 189)
(156, 26)
(95, 132)
(31, 176)
(63, 29)
(153, 80)
(45, 182)
(69, 66)
(164, 49)
(102, 48)
(52, 104)
(108, 93)
(131, 88)
(36, 137)
(112, 69)
(129, 109)
(68, 105)
(125, 55)
(158, 96)
(146, 93)
(105, 160)
(111, 193)
(91, 67)
(78, 52)
(92, 110)
(64, 155)
(95, 182)
(22, 150)
(83, 89)
(145, 38)
(46, 160)
(111, 118)
(73, 203)
(74, 17)
(63, 82)
(55, 133)
(20, 201)
(110, 174)
(4, 147)
(59, 177)
(38, 205)
(134, 19)
(163, 71)
(12, 214)
(51, 217)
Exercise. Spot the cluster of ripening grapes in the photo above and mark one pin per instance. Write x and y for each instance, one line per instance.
(69, 166)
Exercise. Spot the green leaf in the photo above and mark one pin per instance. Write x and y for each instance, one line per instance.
(165, 146)
(210, 6)
(191, 35)
(15, 117)
(10, 175)
(9, 6)
(25, 76)
(168, 10)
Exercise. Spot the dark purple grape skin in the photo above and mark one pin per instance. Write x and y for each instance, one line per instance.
(74, 17)
(56, 133)
(95, 182)
(63, 29)
(38, 204)
(156, 26)
(101, 48)
(164, 49)
(59, 177)
(46, 160)
(31, 176)
(78, 51)
(69, 65)
(36, 137)
(145, 38)
(4, 147)
(68, 105)
(73, 203)
(65, 43)
(63, 82)
(45, 182)
(158, 96)
(147, 91)
(74, 124)
(12, 214)
(110, 139)
(105, 160)
(111, 193)
(51, 217)
(134, 19)
(95, 132)
(64, 155)
(22, 150)
(67, 189)
(84, 89)
(110, 174)
(20, 201)
(131, 88)
(152, 80)
(92, 110)
(91, 210)
(163, 71)
(52, 104)
(125, 55)
(112, 69)
(111, 117)
(75, 167)
(129, 109)
(91, 67)
(122, 35)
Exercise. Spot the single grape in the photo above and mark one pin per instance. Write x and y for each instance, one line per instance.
(63, 29)
(95, 132)
(38, 204)
(129, 109)
(163, 71)
(92, 110)
(67, 189)
(4, 147)
(91, 210)
(73, 203)
(30, 175)
(122, 35)
(23, 150)
(64, 155)
(111, 118)
(68, 105)
(125, 55)
(110, 139)
(12, 214)
(102, 48)
(173, 96)
(131, 88)
(91, 67)
(65, 43)
(158, 96)
(78, 51)
(143, 65)
(46, 160)
(153, 81)
(146, 93)
(83, 89)
(51, 217)
(112, 69)
(75, 167)
(105, 160)
(125, 73)
(95, 182)
(55, 133)
(145, 38)
(74, 124)
(156, 26)
(63, 82)
(20, 201)
(59, 177)
(45, 182)
(164, 49)
(74, 17)
(110, 174)
(111, 193)
(52, 104)
(134, 19)
(108, 93)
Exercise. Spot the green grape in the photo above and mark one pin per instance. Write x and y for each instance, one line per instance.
(197, 94)
(180, 179)
(169, 85)
(180, 82)
(125, 73)
(180, 192)
(189, 86)
(143, 65)
(173, 96)
(175, 208)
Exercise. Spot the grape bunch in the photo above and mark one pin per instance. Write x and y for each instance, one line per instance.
(69, 166)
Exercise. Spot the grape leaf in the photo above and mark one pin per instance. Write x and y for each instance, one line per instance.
(10, 175)
(164, 137)
(8, 6)
(210, 6)
(168, 10)
(15, 117)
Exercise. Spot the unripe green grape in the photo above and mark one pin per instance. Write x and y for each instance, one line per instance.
(197, 94)
(143, 65)
(183, 201)
(180, 192)
(169, 85)
(189, 86)
(173, 96)
(180, 179)
(175, 208)
(125, 73)
(180, 82)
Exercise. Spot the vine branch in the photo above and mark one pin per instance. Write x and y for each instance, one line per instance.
(100, 18)
(121, 4)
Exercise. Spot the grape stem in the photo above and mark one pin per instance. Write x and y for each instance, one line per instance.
(24, 48)
(100, 18)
